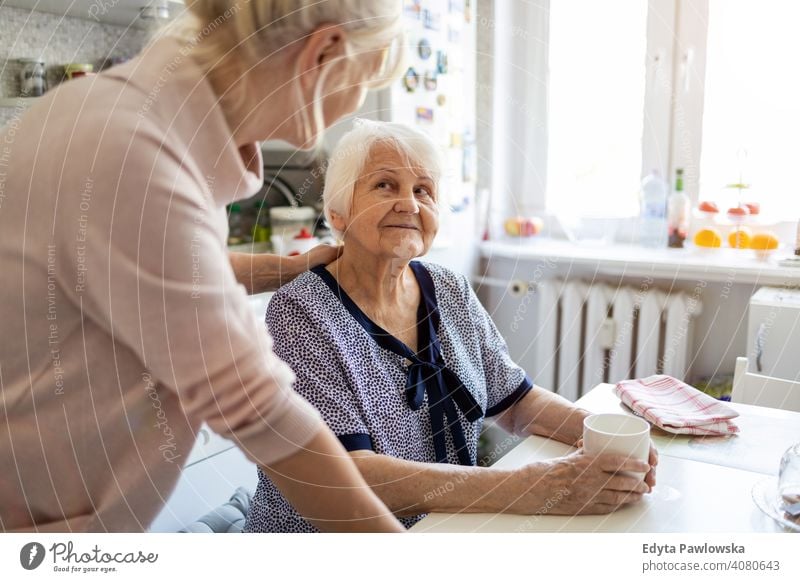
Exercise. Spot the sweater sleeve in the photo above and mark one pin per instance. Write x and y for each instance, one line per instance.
(158, 276)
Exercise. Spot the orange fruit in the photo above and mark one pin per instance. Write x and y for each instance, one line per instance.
(764, 241)
(708, 237)
(740, 238)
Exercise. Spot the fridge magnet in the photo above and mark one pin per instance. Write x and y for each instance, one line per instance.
(411, 80)
(424, 115)
(424, 49)
(430, 81)
(455, 6)
(431, 20)
(441, 62)
(413, 9)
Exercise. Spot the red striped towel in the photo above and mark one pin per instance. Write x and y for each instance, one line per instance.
(676, 407)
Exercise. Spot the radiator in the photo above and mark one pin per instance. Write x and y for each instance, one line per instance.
(589, 333)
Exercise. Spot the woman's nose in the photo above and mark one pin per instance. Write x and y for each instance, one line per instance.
(406, 202)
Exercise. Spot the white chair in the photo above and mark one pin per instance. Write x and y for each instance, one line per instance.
(761, 390)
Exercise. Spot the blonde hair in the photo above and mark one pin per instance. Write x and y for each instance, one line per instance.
(251, 30)
(350, 155)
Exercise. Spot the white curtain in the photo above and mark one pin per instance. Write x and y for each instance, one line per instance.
(519, 151)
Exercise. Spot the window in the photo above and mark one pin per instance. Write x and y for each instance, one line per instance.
(751, 116)
(596, 89)
(626, 86)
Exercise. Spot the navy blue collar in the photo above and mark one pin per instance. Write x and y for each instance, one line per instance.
(427, 312)
(427, 372)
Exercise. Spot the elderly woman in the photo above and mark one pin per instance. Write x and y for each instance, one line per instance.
(404, 363)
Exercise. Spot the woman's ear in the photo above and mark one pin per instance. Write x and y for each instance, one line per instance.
(338, 222)
(322, 45)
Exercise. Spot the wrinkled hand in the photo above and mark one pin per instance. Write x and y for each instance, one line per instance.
(652, 460)
(579, 484)
(650, 478)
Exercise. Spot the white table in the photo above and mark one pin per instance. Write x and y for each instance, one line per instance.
(696, 491)
(764, 435)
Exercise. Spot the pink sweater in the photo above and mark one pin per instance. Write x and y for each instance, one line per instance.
(123, 327)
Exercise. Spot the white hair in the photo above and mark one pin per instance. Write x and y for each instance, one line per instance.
(238, 34)
(350, 156)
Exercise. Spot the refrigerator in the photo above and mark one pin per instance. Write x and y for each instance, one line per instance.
(437, 95)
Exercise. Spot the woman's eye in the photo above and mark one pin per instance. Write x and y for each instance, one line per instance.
(422, 192)
(383, 185)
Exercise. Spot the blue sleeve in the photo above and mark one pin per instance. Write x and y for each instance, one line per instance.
(316, 360)
(506, 382)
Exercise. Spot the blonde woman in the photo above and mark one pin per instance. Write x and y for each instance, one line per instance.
(124, 325)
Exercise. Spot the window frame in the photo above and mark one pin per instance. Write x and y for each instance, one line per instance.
(677, 34)
(521, 43)
(689, 74)
(686, 141)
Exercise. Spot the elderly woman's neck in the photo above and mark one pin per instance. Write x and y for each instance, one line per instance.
(376, 280)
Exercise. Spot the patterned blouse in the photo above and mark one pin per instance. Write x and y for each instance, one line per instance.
(374, 392)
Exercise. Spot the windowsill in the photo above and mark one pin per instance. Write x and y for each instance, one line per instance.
(740, 266)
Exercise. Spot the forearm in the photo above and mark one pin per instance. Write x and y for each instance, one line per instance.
(547, 414)
(323, 484)
(410, 488)
(260, 273)
(263, 272)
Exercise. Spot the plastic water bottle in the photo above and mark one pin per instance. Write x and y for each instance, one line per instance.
(653, 211)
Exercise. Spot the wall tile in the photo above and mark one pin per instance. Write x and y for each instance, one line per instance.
(57, 41)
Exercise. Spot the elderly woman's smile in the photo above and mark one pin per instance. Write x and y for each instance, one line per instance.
(406, 226)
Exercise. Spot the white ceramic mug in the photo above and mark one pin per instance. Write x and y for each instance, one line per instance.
(617, 434)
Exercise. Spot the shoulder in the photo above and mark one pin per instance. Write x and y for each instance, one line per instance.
(145, 99)
(457, 302)
(101, 131)
(308, 313)
(306, 295)
(448, 283)
(96, 115)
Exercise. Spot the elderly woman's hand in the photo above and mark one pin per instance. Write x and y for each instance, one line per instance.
(579, 484)
(291, 267)
(652, 460)
(650, 478)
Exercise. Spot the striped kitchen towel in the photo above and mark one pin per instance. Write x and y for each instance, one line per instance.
(676, 407)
